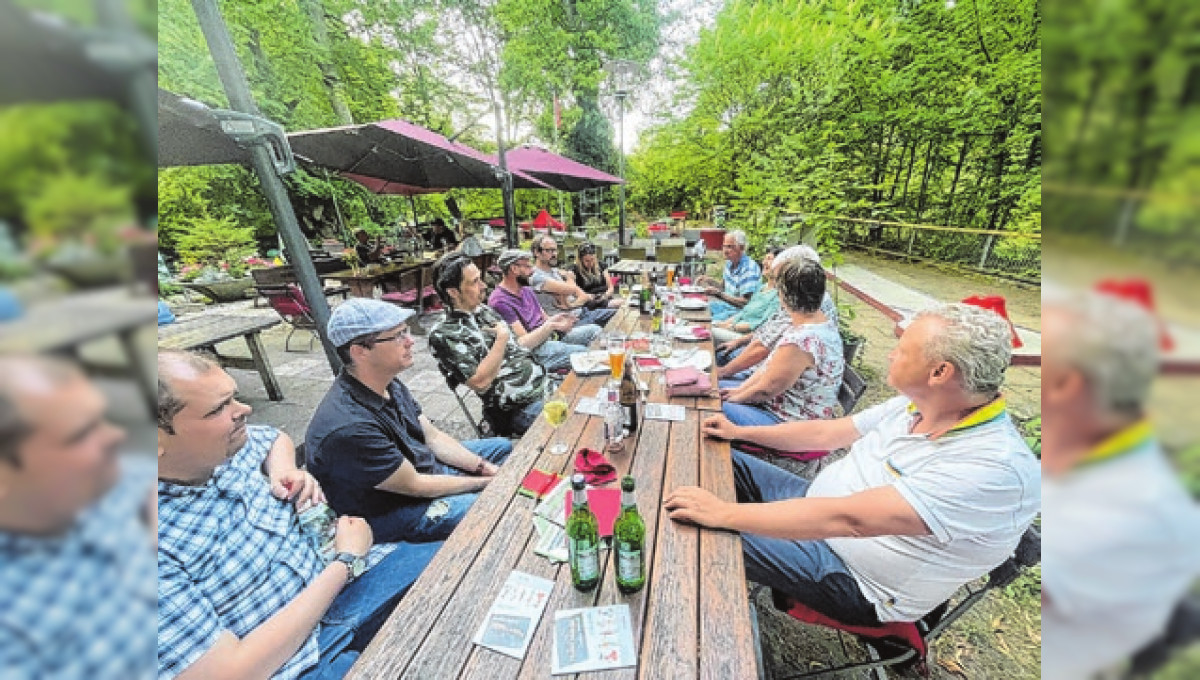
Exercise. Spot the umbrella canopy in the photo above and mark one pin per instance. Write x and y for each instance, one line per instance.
(190, 134)
(402, 152)
(382, 186)
(43, 59)
(557, 171)
(544, 220)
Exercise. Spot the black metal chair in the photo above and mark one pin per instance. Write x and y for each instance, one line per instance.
(884, 652)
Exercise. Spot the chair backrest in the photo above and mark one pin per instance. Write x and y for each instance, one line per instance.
(274, 276)
(632, 253)
(665, 253)
(288, 301)
(851, 390)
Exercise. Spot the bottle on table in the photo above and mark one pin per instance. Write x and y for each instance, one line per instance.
(583, 539)
(629, 399)
(614, 424)
(656, 321)
(629, 542)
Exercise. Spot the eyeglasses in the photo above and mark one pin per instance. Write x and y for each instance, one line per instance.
(402, 335)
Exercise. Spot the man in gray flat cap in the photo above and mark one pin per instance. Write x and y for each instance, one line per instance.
(373, 451)
(515, 301)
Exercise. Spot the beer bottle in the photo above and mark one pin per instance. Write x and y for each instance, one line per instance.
(629, 398)
(629, 540)
(645, 296)
(583, 539)
(657, 320)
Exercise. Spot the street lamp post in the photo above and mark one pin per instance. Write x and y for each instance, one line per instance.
(621, 73)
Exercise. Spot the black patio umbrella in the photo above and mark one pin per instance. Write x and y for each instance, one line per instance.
(189, 133)
(402, 152)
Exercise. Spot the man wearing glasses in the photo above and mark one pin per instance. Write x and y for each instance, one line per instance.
(373, 451)
(558, 291)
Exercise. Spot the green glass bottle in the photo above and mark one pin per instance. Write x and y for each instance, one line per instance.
(657, 319)
(629, 540)
(583, 539)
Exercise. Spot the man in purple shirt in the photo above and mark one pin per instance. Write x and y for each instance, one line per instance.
(517, 304)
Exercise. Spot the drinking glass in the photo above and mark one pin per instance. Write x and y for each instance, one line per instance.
(670, 275)
(554, 407)
(625, 289)
(616, 357)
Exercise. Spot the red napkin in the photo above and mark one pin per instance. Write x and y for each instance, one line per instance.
(701, 332)
(647, 363)
(696, 296)
(605, 504)
(688, 382)
(538, 483)
(595, 467)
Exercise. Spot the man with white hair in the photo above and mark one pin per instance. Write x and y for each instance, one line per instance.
(937, 489)
(1122, 535)
(742, 278)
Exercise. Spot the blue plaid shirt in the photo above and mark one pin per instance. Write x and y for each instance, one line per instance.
(81, 605)
(745, 280)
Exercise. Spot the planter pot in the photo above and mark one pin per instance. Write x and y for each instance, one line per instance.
(224, 291)
(94, 271)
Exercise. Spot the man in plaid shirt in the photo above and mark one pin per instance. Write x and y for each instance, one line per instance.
(76, 544)
(242, 593)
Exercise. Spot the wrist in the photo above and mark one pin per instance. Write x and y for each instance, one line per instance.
(478, 471)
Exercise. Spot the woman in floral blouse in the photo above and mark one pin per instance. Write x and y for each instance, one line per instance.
(800, 378)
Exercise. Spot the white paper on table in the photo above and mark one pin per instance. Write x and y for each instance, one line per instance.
(592, 639)
(671, 412)
(589, 406)
(553, 507)
(552, 540)
(509, 624)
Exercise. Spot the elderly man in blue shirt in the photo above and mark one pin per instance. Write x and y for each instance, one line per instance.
(742, 278)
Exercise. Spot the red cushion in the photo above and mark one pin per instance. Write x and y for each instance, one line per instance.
(907, 632)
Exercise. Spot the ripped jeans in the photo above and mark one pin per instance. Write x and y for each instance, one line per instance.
(435, 519)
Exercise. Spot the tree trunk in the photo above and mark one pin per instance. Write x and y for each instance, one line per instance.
(899, 171)
(881, 166)
(333, 82)
(925, 178)
(1098, 77)
(912, 160)
(962, 159)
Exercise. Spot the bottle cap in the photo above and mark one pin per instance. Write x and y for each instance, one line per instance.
(627, 483)
(577, 481)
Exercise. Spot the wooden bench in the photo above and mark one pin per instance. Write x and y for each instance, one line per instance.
(204, 332)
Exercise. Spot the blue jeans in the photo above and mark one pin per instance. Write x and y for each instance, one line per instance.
(726, 357)
(748, 414)
(807, 571)
(435, 519)
(555, 355)
(361, 608)
(597, 317)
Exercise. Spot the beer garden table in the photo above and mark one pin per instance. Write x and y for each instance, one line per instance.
(633, 269)
(204, 332)
(691, 620)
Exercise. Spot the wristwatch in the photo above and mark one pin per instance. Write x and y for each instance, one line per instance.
(354, 563)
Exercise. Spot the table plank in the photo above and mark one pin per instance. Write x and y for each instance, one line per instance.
(669, 644)
(65, 324)
(726, 633)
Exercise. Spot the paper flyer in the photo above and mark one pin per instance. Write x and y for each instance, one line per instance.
(509, 624)
(673, 413)
(551, 506)
(552, 540)
(592, 639)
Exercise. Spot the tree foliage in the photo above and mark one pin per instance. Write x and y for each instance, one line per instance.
(863, 108)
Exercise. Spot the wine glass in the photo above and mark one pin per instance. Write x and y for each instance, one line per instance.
(554, 407)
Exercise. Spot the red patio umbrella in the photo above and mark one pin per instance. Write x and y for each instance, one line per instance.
(557, 171)
(545, 221)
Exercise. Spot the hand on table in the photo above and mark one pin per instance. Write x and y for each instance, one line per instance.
(719, 427)
(695, 505)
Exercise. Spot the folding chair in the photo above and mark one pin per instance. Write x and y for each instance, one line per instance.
(908, 642)
(461, 393)
(288, 301)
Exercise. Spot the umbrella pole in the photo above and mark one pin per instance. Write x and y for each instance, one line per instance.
(412, 201)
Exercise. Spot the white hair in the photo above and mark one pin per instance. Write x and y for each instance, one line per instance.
(739, 237)
(800, 252)
(976, 341)
(1112, 341)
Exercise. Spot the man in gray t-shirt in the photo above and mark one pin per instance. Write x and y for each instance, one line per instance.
(556, 290)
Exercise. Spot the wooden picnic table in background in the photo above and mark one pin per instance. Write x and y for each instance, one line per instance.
(204, 332)
(635, 268)
(363, 281)
(63, 325)
(692, 619)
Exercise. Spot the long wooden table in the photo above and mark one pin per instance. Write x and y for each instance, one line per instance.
(62, 326)
(204, 332)
(692, 620)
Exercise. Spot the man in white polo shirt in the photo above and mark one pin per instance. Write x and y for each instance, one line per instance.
(1122, 534)
(936, 490)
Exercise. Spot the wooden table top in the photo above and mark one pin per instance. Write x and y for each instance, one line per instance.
(692, 619)
(209, 329)
(626, 267)
(67, 322)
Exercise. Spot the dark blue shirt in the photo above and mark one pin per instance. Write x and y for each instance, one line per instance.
(357, 439)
